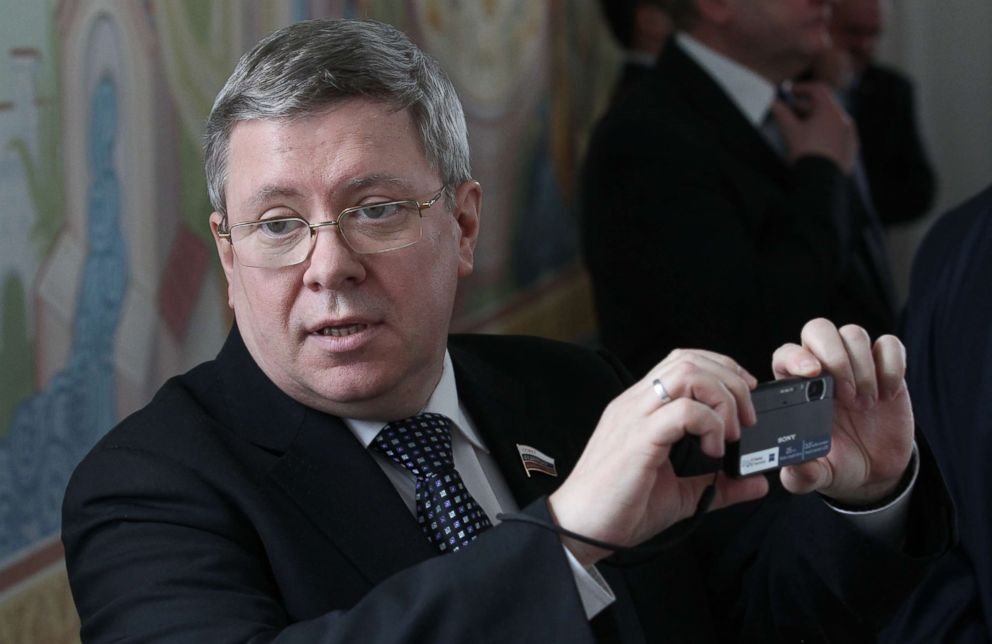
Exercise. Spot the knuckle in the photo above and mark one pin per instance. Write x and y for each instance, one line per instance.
(819, 323)
(685, 410)
(686, 369)
(853, 332)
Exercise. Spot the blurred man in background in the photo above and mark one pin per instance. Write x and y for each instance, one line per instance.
(880, 99)
(721, 210)
(641, 28)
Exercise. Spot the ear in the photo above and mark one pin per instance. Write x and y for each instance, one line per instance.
(225, 251)
(652, 23)
(467, 213)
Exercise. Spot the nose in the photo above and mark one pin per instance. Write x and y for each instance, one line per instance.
(332, 264)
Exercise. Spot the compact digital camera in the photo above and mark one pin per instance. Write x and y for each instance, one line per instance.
(795, 417)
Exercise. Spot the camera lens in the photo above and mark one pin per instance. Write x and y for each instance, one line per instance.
(815, 390)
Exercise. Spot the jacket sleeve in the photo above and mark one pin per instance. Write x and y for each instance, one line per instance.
(155, 554)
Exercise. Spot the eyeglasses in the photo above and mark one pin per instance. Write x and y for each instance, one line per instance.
(369, 229)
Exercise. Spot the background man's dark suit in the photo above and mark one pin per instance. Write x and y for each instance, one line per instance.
(948, 334)
(630, 74)
(896, 165)
(225, 511)
(697, 234)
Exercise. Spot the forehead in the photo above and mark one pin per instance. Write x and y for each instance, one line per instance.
(354, 143)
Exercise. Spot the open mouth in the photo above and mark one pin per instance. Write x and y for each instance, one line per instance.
(339, 331)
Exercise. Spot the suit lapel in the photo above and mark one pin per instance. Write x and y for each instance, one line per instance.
(322, 467)
(341, 488)
(503, 414)
(706, 98)
(759, 173)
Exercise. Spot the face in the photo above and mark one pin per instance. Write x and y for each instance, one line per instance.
(777, 38)
(358, 336)
(856, 28)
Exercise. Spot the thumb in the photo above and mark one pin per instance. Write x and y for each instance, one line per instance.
(807, 477)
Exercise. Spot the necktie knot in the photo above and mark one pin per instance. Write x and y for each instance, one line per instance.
(420, 444)
(446, 512)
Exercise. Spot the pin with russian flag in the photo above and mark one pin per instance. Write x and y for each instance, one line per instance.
(536, 461)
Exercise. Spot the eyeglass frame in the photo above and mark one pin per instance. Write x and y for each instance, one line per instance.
(421, 206)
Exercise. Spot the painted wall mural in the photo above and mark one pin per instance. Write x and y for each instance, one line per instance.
(108, 281)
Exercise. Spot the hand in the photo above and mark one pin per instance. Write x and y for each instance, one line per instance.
(873, 418)
(821, 127)
(623, 489)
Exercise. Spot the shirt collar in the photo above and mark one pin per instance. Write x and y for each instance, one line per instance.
(752, 93)
(444, 401)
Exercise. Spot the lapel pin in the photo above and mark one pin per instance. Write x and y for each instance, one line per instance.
(536, 461)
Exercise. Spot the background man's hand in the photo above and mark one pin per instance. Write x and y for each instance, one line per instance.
(873, 418)
(817, 126)
(623, 489)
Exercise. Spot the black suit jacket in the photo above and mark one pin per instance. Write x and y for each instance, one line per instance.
(227, 512)
(630, 75)
(948, 332)
(901, 180)
(697, 234)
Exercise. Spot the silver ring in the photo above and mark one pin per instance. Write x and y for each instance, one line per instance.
(661, 391)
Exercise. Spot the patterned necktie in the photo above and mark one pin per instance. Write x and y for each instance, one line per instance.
(447, 513)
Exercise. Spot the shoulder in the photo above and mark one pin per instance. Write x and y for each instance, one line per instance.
(179, 407)
(963, 233)
(528, 357)
(951, 270)
(884, 80)
(658, 109)
(178, 426)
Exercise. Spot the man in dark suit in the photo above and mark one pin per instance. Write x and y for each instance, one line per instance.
(335, 473)
(880, 99)
(641, 28)
(733, 217)
(948, 331)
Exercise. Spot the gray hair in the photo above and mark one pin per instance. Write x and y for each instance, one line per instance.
(306, 67)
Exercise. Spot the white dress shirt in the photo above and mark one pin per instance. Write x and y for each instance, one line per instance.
(750, 92)
(481, 476)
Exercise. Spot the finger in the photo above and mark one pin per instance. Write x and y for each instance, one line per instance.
(737, 379)
(822, 339)
(791, 360)
(805, 87)
(807, 477)
(859, 352)
(712, 356)
(669, 423)
(699, 375)
(784, 116)
(713, 384)
(730, 490)
(801, 103)
(890, 366)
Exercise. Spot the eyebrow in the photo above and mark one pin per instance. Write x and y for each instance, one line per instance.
(372, 180)
(269, 192)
